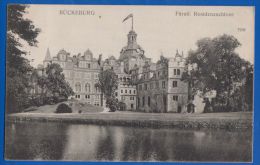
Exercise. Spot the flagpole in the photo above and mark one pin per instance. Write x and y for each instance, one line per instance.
(132, 22)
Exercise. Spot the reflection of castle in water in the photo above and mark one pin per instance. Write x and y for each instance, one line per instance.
(144, 85)
(61, 141)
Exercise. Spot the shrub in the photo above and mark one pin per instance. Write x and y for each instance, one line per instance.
(37, 101)
(112, 103)
(63, 108)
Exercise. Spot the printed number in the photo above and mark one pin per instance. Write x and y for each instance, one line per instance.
(241, 29)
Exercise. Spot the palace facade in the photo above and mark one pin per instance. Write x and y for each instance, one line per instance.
(143, 85)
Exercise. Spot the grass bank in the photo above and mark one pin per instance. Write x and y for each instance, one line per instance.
(232, 120)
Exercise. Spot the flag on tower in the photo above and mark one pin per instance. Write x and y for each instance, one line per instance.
(129, 16)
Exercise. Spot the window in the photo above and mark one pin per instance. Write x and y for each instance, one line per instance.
(116, 94)
(157, 84)
(149, 101)
(88, 65)
(134, 91)
(122, 91)
(78, 87)
(178, 72)
(143, 101)
(174, 83)
(140, 87)
(163, 84)
(145, 86)
(151, 85)
(130, 91)
(96, 75)
(96, 89)
(132, 106)
(132, 98)
(138, 102)
(87, 96)
(125, 90)
(175, 98)
(87, 87)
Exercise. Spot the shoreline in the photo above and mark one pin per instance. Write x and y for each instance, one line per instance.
(230, 120)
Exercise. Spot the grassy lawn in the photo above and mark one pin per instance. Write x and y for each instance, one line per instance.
(93, 115)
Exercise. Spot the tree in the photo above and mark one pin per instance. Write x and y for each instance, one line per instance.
(108, 84)
(215, 66)
(19, 30)
(248, 87)
(55, 82)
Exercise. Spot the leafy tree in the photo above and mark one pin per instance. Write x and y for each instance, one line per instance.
(55, 82)
(248, 87)
(108, 83)
(19, 30)
(215, 66)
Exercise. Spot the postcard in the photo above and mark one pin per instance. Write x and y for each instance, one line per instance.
(129, 83)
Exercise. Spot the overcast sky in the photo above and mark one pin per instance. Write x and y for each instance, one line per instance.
(159, 29)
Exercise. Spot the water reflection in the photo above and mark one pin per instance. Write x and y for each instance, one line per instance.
(55, 141)
(35, 141)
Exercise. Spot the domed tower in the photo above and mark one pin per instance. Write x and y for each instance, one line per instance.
(132, 54)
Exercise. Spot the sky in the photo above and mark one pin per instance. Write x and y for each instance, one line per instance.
(160, 29)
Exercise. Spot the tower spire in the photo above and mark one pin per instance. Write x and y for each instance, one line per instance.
(48, 55)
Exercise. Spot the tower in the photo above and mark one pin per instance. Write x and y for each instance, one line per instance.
(131, 38)
(47, 60)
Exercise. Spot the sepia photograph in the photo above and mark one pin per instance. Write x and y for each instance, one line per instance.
(129, 83)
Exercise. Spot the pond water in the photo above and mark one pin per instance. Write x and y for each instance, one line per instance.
(79, 142)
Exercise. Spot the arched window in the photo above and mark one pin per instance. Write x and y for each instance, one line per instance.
(87, 87)
(78, 87)
(96, 89)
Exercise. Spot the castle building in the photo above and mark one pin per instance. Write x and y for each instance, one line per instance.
(143, 85)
